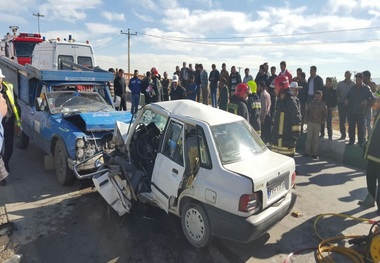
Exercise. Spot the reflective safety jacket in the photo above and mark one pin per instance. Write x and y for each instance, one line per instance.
(254, 107)
(238, 106)
(372, 151)
(13, 109)
(286, 126)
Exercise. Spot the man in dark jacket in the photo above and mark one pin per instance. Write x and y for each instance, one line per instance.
(254, 106)
(315, 82)
(358, 99)
(287, 119)
(330, 97)
(177, 92)
(134, 86)
(119, 86)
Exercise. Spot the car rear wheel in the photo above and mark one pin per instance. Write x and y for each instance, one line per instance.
(64, 174)
(195, 225)
(22, 140)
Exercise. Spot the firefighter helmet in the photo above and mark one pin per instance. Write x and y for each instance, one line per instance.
(252, 86)
(281, 83)
(241, 90)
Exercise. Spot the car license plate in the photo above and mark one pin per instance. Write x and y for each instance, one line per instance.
(276, 189)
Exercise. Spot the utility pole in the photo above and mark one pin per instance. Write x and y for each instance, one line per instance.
(129, 48)
(38, 15)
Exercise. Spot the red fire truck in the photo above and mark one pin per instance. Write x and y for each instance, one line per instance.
(19, 46)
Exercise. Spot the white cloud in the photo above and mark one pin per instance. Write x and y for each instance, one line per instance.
(100, 28)
(113, 16)
(341, 6)
(145, 18)
(68, 10)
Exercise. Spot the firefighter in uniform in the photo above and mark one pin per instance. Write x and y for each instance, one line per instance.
(254, 107)
(9, 121)
(372, 154)
(238, 101)
(287, 119)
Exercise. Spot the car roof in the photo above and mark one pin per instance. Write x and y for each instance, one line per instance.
(197, 111)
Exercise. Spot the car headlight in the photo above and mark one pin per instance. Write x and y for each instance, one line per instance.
(80, 143)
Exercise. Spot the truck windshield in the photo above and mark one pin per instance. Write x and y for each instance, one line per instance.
(24, 49)
(236, 141)
(75, 101)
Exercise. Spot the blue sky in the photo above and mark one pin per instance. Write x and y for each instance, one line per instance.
(334, 35)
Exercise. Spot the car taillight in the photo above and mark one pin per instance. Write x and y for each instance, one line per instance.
(294, 178)
(249, 202)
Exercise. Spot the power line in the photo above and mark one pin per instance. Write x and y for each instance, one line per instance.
(272, 36)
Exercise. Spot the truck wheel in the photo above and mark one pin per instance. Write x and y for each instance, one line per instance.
(64, 174)
(22, 140)
(195, 225)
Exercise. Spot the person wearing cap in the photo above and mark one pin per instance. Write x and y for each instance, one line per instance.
(238, 101)
(368, 115)
(294, 88)
(177, 92)
(254, 107)
(315, 116)
(342, 89)
(330, 97)
(9, 121)
(358, 99)
(287, 119)
(156, 86)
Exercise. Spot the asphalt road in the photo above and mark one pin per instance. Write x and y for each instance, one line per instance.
(74, 224)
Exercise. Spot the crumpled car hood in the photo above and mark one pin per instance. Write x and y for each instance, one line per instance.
(98, 121)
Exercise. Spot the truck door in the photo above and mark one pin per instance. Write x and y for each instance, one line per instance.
(169, 166)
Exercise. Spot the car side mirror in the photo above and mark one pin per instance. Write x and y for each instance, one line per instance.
(38, 103)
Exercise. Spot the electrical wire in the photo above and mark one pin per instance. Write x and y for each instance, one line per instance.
(327, 246)
(275, 35)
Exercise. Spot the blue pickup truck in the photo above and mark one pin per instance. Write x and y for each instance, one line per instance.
(69, 114)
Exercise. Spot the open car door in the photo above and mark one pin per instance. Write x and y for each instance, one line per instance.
(170, 165)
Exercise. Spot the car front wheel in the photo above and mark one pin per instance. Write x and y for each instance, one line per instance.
(195, 225)
(64, 174)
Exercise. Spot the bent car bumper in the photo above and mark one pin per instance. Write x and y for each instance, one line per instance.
(246, 229)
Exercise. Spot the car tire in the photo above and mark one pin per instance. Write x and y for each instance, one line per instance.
(64, 174)
(22, 140)
(195, 225)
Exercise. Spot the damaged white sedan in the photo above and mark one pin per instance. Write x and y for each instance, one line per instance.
(207, 166)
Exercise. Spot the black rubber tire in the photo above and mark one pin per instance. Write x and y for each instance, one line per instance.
(195, 225)
(64, 174)
(22, 140)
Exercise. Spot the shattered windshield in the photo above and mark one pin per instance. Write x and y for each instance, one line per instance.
(236, 141)
(75, 101)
